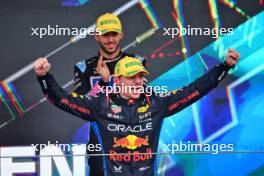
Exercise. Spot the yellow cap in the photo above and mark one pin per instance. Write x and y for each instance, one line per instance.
(108, 23)
(129, 66)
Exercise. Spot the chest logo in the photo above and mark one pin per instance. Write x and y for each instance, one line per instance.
(131, 142)
(143, 109)
(116, 109)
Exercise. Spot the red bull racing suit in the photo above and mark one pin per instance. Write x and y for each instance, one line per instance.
(85, 79)
(128, 130)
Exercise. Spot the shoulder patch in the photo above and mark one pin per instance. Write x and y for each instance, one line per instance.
(81, 65)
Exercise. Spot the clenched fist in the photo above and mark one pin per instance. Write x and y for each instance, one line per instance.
(41, 66)
(232, 57)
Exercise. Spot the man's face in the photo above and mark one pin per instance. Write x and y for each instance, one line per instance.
(109, 42)
(132, 86)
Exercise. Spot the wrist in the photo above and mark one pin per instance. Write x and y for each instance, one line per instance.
(103, 83)
(42, 74)
(227, 66)
(105, 80)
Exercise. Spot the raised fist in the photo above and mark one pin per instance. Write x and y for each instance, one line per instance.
(232, 57)
(41, 66)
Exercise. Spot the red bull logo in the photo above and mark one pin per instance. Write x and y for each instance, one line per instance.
(131, 142)
(131, 156)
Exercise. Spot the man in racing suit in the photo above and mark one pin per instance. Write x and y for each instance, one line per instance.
(128, 123)
(86, 76)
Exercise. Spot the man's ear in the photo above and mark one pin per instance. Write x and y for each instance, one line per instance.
(121, 35)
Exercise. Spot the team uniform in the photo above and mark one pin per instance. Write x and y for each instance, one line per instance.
(129, 127)
(85, 78)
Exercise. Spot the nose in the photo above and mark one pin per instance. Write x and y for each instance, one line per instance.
(110, 38)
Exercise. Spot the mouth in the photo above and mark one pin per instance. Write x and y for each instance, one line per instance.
(110, 45)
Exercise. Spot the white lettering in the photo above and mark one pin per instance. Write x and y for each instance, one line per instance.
(123, 128)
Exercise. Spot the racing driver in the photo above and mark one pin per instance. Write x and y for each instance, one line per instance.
(128, 123)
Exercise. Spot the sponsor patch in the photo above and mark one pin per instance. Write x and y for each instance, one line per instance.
(143, 109)
(81, 65)
(116, 109)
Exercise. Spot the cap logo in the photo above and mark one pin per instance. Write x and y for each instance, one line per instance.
(130, 64)
(132, 72)
(105, 22)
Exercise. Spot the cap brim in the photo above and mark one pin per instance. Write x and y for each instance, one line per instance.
(110, 30)
(139, 71)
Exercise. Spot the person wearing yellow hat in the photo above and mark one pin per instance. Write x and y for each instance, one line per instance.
(109, 36)
(129, 131)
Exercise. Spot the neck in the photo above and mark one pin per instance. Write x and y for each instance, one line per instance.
(129, 100)
(110, 55)
(123, 96)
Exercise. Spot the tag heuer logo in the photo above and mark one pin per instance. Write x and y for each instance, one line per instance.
(116, 109)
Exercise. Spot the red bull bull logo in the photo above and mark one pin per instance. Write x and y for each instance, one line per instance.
(131, 142)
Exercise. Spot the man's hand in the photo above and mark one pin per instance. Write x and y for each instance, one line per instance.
(41, 66)
(232, 57)
(102, 69)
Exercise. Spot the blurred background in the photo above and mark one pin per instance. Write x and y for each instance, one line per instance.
(232, 113)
